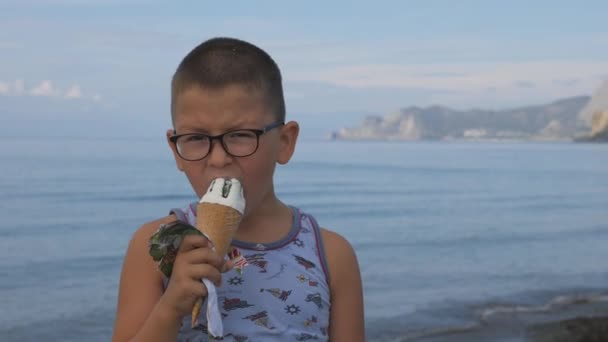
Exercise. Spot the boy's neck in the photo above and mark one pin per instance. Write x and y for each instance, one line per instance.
(269, 222)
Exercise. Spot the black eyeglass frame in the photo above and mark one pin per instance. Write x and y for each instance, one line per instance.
(220, 137)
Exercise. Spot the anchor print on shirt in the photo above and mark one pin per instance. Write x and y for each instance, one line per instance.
(280, 294)
(257, 260)
(306, 263)
(260, 318)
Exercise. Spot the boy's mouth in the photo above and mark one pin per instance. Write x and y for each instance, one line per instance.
(208, 183)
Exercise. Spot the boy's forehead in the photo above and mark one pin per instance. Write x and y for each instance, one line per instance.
(219, 109)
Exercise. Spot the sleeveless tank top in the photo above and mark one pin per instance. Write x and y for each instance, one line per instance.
(282, 294)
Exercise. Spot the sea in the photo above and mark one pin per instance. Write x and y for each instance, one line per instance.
(456, 241)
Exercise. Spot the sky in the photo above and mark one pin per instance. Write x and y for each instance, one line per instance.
(99, 65)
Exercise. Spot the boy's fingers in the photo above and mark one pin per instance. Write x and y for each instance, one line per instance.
(192, 241)
(204, 256)
(198, 289)
(206, 271)
(227, 266)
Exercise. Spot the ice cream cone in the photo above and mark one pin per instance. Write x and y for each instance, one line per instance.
(219, 223)
(218, 216)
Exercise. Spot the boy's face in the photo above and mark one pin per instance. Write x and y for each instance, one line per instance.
(213, 112)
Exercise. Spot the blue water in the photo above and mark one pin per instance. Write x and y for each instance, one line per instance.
(445, 233)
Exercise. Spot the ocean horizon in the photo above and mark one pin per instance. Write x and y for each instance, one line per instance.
(470, 241)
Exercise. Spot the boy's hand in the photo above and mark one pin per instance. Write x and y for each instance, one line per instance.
(194, 260)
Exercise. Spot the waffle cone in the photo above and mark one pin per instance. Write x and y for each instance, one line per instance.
(219, 223)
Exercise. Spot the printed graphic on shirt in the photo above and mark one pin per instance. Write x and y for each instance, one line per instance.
(236, 281)
(284, 287)
(310, 321)
(302, 278)
(238, 338)
(259, 247)
(278, 273)
(201, 327)
(235, 303)
(316, 299)
(306, 337)
(257, 260)
(261, 319)
(280, 294)
(239, 261)
(292, 309)
(211, 338)
(306, 263)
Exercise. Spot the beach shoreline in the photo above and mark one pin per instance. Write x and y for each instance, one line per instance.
(563, 318)
(589, 329)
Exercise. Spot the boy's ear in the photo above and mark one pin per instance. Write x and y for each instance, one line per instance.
(289, 136)
(178, 161)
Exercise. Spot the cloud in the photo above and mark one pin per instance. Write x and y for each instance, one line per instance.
(16, 87)
(75, 2)
(19, 87)
(566, 82)
(524, 84)
(8, 45)
(502, 76)
(44, 88)
(291, 94)
(73, 92)
(4, 88)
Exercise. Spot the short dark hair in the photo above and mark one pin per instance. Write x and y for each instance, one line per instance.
(220, 62)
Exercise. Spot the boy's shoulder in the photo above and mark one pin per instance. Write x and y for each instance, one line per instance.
(147, 229)
(138, 245)
(335, 244)
(332, 239)
(340, 256)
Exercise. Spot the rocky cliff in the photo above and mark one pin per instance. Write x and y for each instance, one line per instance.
(558, 120)
(598, 102)
(599, 127)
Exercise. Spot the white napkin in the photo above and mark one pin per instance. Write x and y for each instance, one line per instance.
(214, 317)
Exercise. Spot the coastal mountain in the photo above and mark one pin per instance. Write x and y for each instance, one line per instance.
(599, 127)
(559, 120)
(598, 102)
(595, 115)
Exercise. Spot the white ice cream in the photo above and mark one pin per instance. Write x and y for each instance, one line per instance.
(233, 195)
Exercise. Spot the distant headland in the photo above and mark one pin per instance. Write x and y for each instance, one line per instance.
(580, 119)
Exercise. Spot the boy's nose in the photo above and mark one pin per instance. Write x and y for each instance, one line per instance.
(218, 156)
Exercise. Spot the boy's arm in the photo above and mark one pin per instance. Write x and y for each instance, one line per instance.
(139, 316)
(346, 317)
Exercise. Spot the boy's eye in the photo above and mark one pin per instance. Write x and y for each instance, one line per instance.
(194, 138)
(241, 135)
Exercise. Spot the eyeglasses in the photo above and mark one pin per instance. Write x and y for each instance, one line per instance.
(237, 143)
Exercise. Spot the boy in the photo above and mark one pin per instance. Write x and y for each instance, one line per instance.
(302, 282)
